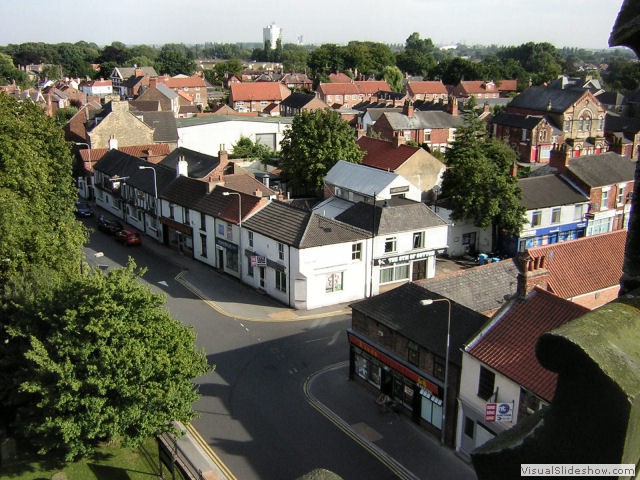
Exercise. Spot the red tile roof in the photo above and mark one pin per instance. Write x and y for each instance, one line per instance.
(384, 155)
(141, 151)
(270, 91)
(507, 85)
(478, 86)
(339, 78)
(431, 88)
(507, 345)
(355, 88)
(183, 82)
(585, 265)
(373, 86)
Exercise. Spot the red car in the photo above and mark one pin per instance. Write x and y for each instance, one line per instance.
(128, 237)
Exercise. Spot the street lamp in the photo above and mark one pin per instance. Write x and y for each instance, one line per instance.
(240, 257)
(155, 194)
(446, 362)
(88, 172)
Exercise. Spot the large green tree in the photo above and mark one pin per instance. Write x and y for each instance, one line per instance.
(38, 229)
(479, 180)
(97, 358)
(314, 144)
(418, 55)
(175, 59)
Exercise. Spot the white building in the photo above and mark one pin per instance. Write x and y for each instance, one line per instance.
(501, 381)
(271, 33)
(206, 134)
(305, 260)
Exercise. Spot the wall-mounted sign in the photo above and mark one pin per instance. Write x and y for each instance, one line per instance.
(499, 412)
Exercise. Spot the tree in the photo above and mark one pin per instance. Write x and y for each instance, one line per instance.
(478, 179)
(418, 55)
(99, 358)
(245, 148)
(315, 142)
(38, 229)
(393, 77)
(294, 58)
(175, 59)
(9, 73)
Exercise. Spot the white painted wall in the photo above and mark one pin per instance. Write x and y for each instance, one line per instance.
(207, 138)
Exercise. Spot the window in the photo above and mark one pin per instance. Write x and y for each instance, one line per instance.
(555, 215)
(281, 251)
(334, 282)
(356, 251)
(536, 218)
(604, 203)
(486, 383)
(171, 212)
(249, 267)
(251, 239)
(281, 281)
(394, 273)
(578, 212)
(587, 124)
(567, 125)
(186, 216)
(468, 427)
(390, 245)
(203, 244)
(203, 222)
(620, 197)
(413, 354)
(438, 367)
(418, 240)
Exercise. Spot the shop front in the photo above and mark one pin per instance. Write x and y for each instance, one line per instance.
(420, 395)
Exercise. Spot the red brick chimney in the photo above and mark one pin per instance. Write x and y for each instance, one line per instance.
(559, 158)
(139, 72)
(407, 109)
(452, 106)
(399, 139)
(532, 273)
(223, 156)
(153, 82)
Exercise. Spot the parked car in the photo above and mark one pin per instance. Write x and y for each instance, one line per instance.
(109, 226)
(129, 237)
(83, 209)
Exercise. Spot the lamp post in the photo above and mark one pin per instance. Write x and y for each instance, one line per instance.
(240, 259)
(155, 194)
(446, 362)
(89, 173)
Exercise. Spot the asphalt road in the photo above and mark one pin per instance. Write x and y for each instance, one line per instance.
(253, 410)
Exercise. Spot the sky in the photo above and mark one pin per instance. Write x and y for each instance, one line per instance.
(565, 23)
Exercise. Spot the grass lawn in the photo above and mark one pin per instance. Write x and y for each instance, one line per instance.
(109, 463)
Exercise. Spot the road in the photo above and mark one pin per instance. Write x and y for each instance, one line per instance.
(253, 410)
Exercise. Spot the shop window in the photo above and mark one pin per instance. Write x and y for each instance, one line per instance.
(334, 282)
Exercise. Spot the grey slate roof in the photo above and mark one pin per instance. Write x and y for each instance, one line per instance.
(301, 228)
(143, 179)
(199, 164)
(185, 191)
(164, 125)
(617, 123)
(127, 72)
(422, 120)
(602, 169)
(538, 98)
(526, 122)
(391, 216)
(297, 100)
(166, 91)
(207, 119)
(400, 310)
(116, 163)
(359, 178)
(482, 289)
(548, 191)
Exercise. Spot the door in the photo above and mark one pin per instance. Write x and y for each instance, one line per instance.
(220, 258)
(261, 277)
(419, 270)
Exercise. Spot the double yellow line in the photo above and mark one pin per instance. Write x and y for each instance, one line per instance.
(209, 451)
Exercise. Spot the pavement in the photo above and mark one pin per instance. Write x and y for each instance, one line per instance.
(409, 451)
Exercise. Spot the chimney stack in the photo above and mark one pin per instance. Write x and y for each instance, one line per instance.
(153, 82)
(559, 158)
(399, 139)
(452, 106)
(223, 156)
(407, 109)
(113, 143)
(183, 167)
(532, 273)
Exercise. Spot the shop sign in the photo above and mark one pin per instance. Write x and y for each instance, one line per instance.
(499, 412)
(402, 258)
(258, 261)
